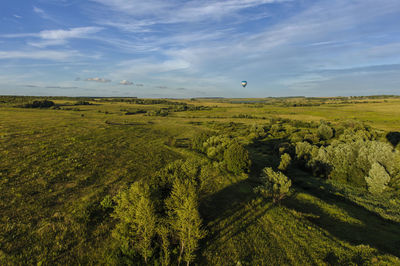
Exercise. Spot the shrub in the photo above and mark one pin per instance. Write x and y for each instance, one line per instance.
(325, 132)
(39, 104)
(275, 184)
(198, 140)
(378, 179)
(237, 159)
(107, 202)
(285, 161)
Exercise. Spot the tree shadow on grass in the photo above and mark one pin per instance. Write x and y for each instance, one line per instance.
(393, 137)
(230, 212)
(367, 227)
(371, 229)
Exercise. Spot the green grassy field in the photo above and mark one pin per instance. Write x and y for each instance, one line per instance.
(57, 165)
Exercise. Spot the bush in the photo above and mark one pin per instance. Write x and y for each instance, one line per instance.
(237, 159)
(39, 104)
(325, 132)
(107, 202)
(378, 179)
(82, 103)
(198, 140)
(275, 184)
(285, 161)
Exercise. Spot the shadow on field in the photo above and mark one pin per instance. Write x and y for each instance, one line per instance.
(393, 137)
(371, 229)
(227, 201)
(264, 154)
(231, 211)
(233, 207)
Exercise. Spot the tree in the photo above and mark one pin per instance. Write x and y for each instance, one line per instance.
(285, 161)
(325, 132)
(198, 141)
(163, 232)
(185, 218)
(378, 179)
(237, 158)
(137, 220)
(145, 226)
(275, 184)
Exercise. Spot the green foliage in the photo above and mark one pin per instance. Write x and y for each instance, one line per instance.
(349, 161)
(378, 179)
(107, 202)
(185, 218)
(237, 159)
(257, 131)
(39, 104)
(215, 147)
(275, 184)
(325, 132)
(137, 220)
(163, 231)
(57, 165)
(285, 162)
(82, 103)
(198, 141)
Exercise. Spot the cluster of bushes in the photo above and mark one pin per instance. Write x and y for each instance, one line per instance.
(227, 151)
(139, 111)
(82, 103)
(247, 116)
(361, 162)
(356, 156)
(274, 184)
(300, 104)
(39, 104)
(350, 152)
(159, 112)
(186, 107)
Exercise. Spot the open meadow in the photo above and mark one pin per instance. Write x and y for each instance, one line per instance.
(69, 173)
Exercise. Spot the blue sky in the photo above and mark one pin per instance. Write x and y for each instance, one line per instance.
(197, 48)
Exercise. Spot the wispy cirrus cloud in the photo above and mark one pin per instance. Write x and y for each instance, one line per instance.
(39, 54)
(55, 37)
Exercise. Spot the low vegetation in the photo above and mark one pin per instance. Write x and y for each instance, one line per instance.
(128, 181)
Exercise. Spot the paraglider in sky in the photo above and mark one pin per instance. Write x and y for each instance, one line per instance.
(244, 83)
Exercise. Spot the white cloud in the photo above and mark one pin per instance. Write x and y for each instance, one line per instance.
(97, 79)
(39, 11)
(45, 55)
(125, 82)
(138, 16)
(55, 37)
(80, 32)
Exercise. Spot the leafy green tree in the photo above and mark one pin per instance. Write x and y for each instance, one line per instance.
(378, 179)
(215, 147)
(285, 161)
(237, 158)
(198, 141)
(137, 221)
(185, 218)
(324, 132)
(163, 232)
(275, 184)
